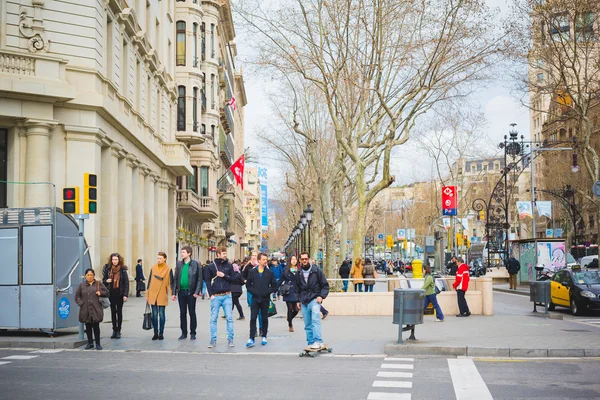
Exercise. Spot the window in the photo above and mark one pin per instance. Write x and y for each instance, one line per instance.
(212, 90)
(203, 92)
(491, 165)
(125, 69)
(560, 28)
(192, 181)
(3, 166)
(138, 84)
(148, 97)
(195, 31)
(204, 182)
(212, 131)
(479, 167)
(203, 31)
(181, 109)
(180, 38)
(195, 109)
(109, 48)
(212, 40)
(543, 32)
(584, 27)
(203, 129)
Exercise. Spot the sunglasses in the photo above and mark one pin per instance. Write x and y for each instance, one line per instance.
(303, 258)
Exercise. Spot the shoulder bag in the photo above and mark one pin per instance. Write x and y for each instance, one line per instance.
(103, 300)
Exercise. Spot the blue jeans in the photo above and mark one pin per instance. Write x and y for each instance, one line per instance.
(345, 287)
(311, 313)
(432, 298)
(369, 288)
(204, 292)
(156, 310)
(226, 303)
(358, 287)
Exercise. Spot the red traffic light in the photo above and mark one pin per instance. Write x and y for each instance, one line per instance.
(69, 194)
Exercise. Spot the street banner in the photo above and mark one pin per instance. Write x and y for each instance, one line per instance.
(549, 233)
(524, 208)
(544, 208)
(449, 200)
(558, 232)
(237, 169)
(401, 234)
(264, 212)
(447, 223)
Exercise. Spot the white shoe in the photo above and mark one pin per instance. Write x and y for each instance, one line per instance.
(316, 345)
(439, 320)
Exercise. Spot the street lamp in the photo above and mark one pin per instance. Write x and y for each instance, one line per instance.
(309, 213)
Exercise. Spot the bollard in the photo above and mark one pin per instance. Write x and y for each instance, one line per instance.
(417, 268)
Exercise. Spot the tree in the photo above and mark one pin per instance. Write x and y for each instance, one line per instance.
(379, 65)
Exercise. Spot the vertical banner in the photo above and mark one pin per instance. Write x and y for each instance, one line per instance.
(524, 208)
(449, 200)
(264, 210)
(544, 208)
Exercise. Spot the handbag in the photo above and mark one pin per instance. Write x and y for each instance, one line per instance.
(103, 300)
(286, 288)
(147, 324)
(272, 309)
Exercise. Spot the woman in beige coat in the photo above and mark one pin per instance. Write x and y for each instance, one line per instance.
(356, 273)
(158, 293)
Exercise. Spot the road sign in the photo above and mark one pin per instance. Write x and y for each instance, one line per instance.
(401, 234)
(549, 233)
(449, 200)
(558, 232)
(429, 241)
(380, 236)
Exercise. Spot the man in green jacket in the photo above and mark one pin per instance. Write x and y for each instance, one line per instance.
(430, 295)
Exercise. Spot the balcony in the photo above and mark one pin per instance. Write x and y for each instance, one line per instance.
(196, 207)
(177, 158)
(34, 76)
(227, 118)
(184, 135)
(226, 148)
(219, 232)
(208, 227)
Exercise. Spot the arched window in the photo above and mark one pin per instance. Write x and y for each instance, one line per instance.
(181, 109)
(180, 42)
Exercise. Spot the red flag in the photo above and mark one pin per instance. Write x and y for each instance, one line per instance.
(237, 169)
(232, 103)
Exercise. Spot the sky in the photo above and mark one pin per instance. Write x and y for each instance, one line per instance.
(501, 107)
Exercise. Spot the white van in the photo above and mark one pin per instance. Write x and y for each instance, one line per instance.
(586, 260)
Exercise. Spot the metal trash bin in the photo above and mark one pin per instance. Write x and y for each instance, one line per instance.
(539, 293)
(408, 310)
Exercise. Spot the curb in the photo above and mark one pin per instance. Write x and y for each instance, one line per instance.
(399, 349)
(20, 344)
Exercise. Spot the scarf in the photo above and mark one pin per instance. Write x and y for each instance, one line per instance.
(115, 275)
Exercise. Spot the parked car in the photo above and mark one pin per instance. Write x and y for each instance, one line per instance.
(578, 289)
(585, 261)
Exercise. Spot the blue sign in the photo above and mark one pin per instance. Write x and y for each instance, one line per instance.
(380, 236)
(558, 232)
(64, 308)
(549, 233)
(451, 211)
(264, 211)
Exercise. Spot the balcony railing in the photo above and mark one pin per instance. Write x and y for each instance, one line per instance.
(226, 149)
(189, 199)
(18, 65)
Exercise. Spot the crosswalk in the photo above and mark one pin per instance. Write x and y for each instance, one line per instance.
(397, 380)
(25, 357)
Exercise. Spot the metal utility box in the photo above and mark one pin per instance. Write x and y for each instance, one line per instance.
(408, 310)
(539, 293)
(40, 271)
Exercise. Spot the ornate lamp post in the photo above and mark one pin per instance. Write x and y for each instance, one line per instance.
(309, 214)
(303, 221)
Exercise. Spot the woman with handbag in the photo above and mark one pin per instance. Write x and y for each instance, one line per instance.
(115, 278)
(431, 294)
(158, 293)
(286, 288)
(91, 312)
(370, 274)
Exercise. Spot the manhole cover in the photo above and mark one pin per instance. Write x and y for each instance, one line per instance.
(575, 330)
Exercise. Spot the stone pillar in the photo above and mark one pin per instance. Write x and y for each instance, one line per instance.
(172, 215)
(126, 165)
(137, 207)
(159, 211)
(83, 154)
(109, 200)
(37, 163)
(487, 295)
(149, 212)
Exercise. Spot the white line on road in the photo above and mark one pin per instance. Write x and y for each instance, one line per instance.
(388, 396)
(46, 351)
(19, 357)
(468, 384)
(393, 374)
(393, 384)
(4, 362)
(399, 359)
(398, 366)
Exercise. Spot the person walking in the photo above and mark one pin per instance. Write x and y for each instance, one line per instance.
(461, 285)
(158, 293)
(115, 278)
(513, 266)
(236, 293)
(430, 295)
(87, 297)
(286, 287)
(139, 279)
(253, 263)
(357, 275)
(452, 266)
(370, 274)
(219, 276)
(187, 284)
(261, 283)
(311, 288)
(345, 274)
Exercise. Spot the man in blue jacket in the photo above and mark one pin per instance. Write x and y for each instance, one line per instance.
(218, 276)
(261, 283)
(311, 288)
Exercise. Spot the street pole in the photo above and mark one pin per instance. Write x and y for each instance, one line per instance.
(532, 164)
(81, 218)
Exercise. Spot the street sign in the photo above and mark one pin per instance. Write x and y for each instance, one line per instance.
(449, 200)
(380, 236)
(401, 234)
(549, 233)
(558, 232)
(429, 241)
(596, 189)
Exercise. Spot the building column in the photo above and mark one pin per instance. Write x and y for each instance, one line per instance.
(159, 210)
(172, 218)
(83, 154)
(126, 165)
(109, 200)
(37, 163)
(149, 212)
(137, 206)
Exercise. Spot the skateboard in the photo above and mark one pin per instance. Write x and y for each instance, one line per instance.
(308, 352)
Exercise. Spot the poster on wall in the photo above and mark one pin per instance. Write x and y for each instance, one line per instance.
(552, 255)
(527, 260)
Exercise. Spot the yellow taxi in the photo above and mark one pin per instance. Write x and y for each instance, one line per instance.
(577, 289)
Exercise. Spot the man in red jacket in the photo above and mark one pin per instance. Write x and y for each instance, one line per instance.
(461, 285)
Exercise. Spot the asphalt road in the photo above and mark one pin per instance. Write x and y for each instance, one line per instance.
(135, 375)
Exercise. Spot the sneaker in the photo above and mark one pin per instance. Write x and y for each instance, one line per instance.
(439, 320)
(155, 336)
(264, 341)
(316, 346)
(193, 336)
(89, 346)
(250, 343)
(212, 344)
(98, 347)
(241, 318)
(230, 343)
(182, 337)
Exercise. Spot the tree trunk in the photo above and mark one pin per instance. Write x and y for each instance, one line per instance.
(329, 267)
(361, 212)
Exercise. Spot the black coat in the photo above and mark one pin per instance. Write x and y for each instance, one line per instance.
(123, 283)
(194, 275)
(453, 268)
(215, 284)
(315, 286)
(345, 270)
(290, 278)
(513, 266)
(259, 287)
(140, 278)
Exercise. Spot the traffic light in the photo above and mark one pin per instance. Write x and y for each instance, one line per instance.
(405, 244)
(90, 194)
(71, 200)
(481, 215)
(459, 239)
(466, 240)
(390, 241)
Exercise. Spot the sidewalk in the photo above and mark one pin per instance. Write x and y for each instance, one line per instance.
(505, 288)
(513, 331)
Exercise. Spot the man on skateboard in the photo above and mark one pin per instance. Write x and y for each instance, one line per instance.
(311, 288)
